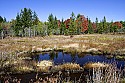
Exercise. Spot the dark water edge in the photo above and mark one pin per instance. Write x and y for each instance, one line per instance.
(60, 58)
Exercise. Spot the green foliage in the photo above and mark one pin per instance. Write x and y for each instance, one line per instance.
(1, 19)
(53, 28)
(18, 25)
(35, 19)
(62, 28)
(123, 23)
(97, 24)
(100, 29)
(79, 24)
(50, 24)
(25, 19)
(27, 24)
(2, 23)
(90, 28)
(72, 25)
(104, 25)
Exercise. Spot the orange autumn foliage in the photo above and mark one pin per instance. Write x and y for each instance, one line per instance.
(118, 24)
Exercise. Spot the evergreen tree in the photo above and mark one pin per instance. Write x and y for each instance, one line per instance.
(100, 29)
(72, 25)
(73, 16)
(35, 23)
(1, 22)
(56, 28)
(104, 25)
(1, 19)
(79, 24)
(97, 24)
(123, 23)
(18, 25)
(26, 20)
(50, 24)
(90, 28)
(35, 19)
(4, 19)
(26, 17)
(62, 28)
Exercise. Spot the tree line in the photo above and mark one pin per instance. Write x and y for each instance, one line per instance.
(28, 24)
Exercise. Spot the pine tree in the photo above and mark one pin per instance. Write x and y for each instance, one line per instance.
(50, 24)
(79, 24)
(55, 29)
(26, 17)
(100, 29)
(35, 19)
(18, 25)
(35, 22)
(72, 25)
(62, 28)
(26, 20)
(97, 24)
(1, 19)
(104, 25)
(90, 28)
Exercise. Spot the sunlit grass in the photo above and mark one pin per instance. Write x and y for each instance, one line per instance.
(91, 65)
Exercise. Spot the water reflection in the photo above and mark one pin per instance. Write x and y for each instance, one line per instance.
(60, 58)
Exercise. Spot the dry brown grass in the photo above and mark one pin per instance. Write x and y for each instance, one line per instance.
(110, 74)
(92, 65)
(105, 43)
(66, 66)
(44, 66)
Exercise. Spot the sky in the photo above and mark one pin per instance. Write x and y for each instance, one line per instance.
(113, 10)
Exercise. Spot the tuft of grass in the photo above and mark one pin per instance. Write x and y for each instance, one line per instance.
(21, 69)
(91, 65)
(71, 66)
(44, 66)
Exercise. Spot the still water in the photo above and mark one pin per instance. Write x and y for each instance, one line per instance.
(60, 58)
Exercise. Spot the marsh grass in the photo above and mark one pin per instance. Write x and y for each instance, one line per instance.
(44, 66)
(111, 44)
(11, 48)
(98, 72)
(110, 74)
(91, 65)
(69, 66)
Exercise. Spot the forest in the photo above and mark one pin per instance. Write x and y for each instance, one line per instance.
(27, 24)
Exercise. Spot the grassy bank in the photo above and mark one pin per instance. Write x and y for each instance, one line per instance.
(94, 43)
(11, 49)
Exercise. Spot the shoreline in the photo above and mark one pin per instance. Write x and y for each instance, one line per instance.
(93, 43)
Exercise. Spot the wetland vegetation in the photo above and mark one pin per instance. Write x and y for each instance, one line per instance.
(72, 51)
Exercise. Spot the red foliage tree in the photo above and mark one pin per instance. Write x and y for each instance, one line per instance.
(66, 22)
(84, 23)
(83, 20)
(118, 24)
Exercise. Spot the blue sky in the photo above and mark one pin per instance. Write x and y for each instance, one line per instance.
(111, 9)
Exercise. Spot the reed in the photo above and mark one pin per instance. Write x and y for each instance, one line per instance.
(110, 74)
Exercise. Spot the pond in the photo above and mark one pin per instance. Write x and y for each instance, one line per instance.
(61, 57)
